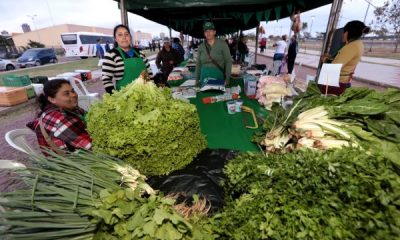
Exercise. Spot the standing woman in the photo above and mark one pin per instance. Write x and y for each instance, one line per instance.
(349, 55)
(292, 53)
(123, 63)
(214, 58)
(60, 125)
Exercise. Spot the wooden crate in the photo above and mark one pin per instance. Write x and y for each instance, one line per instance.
(10, 96)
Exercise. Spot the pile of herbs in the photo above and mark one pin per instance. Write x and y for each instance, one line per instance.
(146, 127)
(124, 214)
(370, 118)
(338, 194)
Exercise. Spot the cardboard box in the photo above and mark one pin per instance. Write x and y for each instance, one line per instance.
(10, 96)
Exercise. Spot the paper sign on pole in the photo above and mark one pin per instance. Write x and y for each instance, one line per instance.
(330, 74)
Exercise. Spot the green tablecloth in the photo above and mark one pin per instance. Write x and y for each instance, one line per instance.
(227, 131)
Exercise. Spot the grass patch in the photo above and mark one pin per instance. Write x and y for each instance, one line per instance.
(51, 70)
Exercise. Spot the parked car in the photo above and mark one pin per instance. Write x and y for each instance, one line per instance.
(6, 65)
(37, 57)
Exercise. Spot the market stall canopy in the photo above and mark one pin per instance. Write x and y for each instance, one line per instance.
(228, 15)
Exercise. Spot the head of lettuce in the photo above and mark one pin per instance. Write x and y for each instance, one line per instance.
(147, 128)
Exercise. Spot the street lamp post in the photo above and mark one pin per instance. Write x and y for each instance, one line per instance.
(312, 20)
(32, 17)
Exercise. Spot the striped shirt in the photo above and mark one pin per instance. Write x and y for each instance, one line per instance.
(113, 67)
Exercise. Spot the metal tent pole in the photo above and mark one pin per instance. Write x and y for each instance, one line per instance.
(256, 50)
(124, 13)
(330, 30)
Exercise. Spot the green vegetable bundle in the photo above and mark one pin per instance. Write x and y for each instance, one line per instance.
(124, 214)
(360, 117)
(89, 196)
(337, 194)
(147, 128)
(62, 191)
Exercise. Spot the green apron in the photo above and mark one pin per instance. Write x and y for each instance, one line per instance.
(133, 67)
(212, 72)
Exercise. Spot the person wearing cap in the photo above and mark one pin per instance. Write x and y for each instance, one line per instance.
(213, 59)
(167, 59)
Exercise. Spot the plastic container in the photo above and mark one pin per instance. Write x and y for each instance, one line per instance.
(250, 85)
(16, 81)
(30, 91)
(239, 104)
(231, 105)
(85, 74)
(38, 88)
(40, 79)
(10, 96)
(67, 75)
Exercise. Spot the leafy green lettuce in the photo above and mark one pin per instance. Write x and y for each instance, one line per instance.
(147, 128)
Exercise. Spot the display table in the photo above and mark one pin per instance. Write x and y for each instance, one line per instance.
(228, 131)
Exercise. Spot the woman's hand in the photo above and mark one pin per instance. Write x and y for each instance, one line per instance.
(226, 83)
(325, 58)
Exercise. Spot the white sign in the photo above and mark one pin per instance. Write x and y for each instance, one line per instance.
(330, 74)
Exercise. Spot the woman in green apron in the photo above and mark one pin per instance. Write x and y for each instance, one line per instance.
(123, 63)
(214, 59)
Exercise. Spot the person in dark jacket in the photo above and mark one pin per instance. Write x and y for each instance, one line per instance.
(292, 53)
(107, 46)
(242, 49)
(167, 59)
(99, 49)
(176, 44)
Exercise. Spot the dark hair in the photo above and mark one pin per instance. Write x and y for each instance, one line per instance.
(355, 29)
(176, 40)
(115, 32)
(50, 89)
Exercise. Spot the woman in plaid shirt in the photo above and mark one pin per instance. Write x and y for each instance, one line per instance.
(60, 124)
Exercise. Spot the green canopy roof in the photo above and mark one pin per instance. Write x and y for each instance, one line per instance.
(228, 15)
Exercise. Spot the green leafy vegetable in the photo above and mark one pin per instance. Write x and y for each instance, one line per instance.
(147, 128)
(338, 194)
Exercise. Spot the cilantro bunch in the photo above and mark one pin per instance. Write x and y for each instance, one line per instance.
(338, 194)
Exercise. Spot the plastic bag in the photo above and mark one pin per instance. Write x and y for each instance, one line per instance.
(202, 177)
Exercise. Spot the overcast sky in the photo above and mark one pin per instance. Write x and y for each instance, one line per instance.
(105, 13)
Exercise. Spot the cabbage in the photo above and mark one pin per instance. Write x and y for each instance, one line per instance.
(146, 127)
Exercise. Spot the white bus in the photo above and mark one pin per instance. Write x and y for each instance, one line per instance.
(83, 44)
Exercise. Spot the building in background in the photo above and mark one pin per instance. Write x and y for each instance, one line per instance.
(162, 35)
(50, 36)
(26, 28)
(140, 36)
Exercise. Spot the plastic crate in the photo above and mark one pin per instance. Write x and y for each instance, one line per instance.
(30, 91)
(16, 81)
(40, 79)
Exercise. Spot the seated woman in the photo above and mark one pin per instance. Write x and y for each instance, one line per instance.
(349, 55)
(60, 125)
